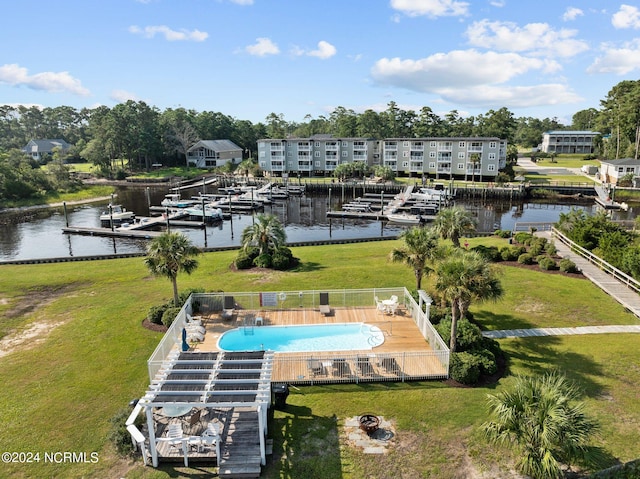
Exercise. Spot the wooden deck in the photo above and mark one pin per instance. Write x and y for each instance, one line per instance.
(404, 354)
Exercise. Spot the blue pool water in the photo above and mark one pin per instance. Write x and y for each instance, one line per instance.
(316, 337)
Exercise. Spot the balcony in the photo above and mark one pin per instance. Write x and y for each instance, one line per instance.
(277, 166)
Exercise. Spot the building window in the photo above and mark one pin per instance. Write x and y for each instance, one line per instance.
(405, 143)
(289, 153)
(461, 166)
(316, 163)
(461, 144)
(491, 167)
(317, 144)
(290, 164)
(344, 143)
(432, 144)
(262, 153)
(405, 154)
(432, 165)
(316, 154)
(492, 144)
(461, 155)
(432, 154)
(345, 154)
(263, 164)
(492, 156)
(405, 164)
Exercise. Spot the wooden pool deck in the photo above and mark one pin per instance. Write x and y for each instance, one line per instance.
(404, 354)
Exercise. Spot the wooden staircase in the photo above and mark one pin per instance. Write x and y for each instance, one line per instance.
(240, 449)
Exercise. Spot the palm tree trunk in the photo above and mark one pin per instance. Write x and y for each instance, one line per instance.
(454, 326)
(174, 281)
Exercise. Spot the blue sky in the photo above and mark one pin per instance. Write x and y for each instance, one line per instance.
(249, 58)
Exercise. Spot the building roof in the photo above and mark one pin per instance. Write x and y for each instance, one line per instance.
(571, 132)
(216, 145)
(622, 162)
(48, 144)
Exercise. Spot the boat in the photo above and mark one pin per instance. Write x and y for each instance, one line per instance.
(404, 218)
(210, 214)
(116, 214)
(358, 207)
(437, 194)
(173, 200)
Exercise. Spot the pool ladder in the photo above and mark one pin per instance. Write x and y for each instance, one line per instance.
(247, 329)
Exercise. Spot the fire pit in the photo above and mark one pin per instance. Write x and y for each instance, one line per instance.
(369, 423)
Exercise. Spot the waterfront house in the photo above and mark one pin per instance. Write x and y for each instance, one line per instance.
(568, 141)
(214, 153)
(41, 150)
(611, 171)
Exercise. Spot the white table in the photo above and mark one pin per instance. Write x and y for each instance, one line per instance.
(175, 411)
(390, 305)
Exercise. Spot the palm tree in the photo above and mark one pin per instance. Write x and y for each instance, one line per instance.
(462, 277)
(542, 418)
(267, 233)
(452, 223)
(170, 254)
(420, 247)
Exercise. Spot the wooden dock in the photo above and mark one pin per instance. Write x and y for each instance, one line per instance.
(108, 232)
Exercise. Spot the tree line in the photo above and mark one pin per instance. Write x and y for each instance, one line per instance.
(140, 135)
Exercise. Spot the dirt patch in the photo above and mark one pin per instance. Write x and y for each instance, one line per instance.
(29, 338)
(160, 328)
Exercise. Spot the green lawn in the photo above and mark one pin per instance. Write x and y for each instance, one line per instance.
(60, 391)
(86, 193)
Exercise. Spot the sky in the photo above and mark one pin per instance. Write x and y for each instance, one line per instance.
(303, 58)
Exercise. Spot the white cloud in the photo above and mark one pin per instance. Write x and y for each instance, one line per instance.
(457, 69)
(431, 8)
(325, 50)
(572, 13)
(536, 38)
(262, 47)
(242, 2)
(627, 17)
(16, 75)
(497, 3)
(169, 34)
(122, 96)
(511, 96)
(620, 61)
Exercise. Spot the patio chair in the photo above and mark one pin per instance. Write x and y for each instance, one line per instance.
(325, 309)
(229, 308)
(315, 367)
(341, 368)
(365, 368)
(194, 419)
(211, 436)
(380, 307)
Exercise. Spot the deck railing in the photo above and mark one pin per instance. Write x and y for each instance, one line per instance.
(294, 367)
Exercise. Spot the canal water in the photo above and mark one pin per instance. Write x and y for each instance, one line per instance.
(39, 235)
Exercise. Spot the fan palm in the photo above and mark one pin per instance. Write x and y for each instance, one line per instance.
(462, 277)
(266, 233)
(170, 254)
(543, 419)
(452, 223)
(420, 247)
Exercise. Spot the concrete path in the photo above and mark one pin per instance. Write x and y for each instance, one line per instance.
(614, 288)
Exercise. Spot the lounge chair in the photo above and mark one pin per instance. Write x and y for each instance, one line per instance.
(229, 308)
(211, 436)
(341, 368)
(315, 367)
(325, 309)
(365, 368)
(390, 365)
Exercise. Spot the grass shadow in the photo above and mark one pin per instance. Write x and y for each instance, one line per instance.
(307, 267)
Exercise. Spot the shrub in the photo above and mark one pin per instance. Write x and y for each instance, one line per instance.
(490, 253)
(547, 263)
(551, 249)
(155, 313)
(502, 233)
(263, 261)
(523, 237)
(511, 253)
(184, 295)
(525, 258)
(464, 368)
(169, 315)
(486, 361)
(121, 174)
(119, 436)
(243, 260)
(468, 335)
(568, 266)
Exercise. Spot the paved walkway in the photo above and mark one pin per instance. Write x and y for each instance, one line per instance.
(614, 288)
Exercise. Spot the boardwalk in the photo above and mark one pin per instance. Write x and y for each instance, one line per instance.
(610, 285)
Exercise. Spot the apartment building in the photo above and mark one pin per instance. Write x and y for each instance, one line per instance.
(559, 141)
(468, 158)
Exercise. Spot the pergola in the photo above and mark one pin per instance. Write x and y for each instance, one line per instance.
(204, 380)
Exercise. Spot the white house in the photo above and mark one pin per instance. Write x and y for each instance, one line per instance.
(611, 171)
(41, 149)
(568, 141)
(214, 153)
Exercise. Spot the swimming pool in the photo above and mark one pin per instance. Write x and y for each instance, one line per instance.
(303, 338)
